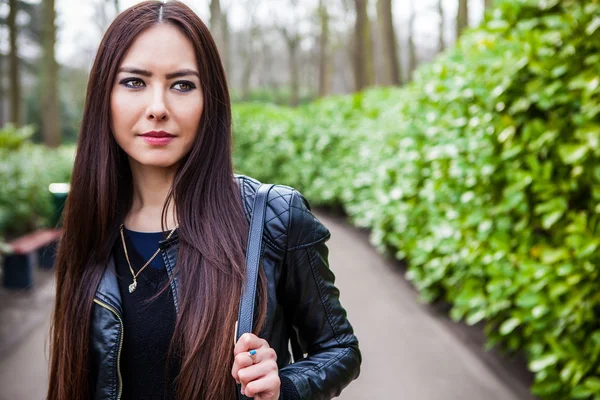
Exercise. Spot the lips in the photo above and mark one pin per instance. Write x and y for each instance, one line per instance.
(157, 138)
(157, 134)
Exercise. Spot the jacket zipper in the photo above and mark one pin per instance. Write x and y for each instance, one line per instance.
(120, 344)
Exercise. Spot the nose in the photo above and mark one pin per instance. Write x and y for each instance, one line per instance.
(158, 109)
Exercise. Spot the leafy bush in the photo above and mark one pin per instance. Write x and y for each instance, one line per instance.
(483, 174)
(13, 138)
(26, 170)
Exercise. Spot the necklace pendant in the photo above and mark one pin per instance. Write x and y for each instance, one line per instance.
(132, 287)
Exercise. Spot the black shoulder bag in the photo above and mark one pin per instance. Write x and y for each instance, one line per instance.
(253, 256)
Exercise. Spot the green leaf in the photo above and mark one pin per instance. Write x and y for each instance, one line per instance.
(581, 392)
(551, 256)
(475, 317)
(543, 362)
(592, 383)
(592, 26)
(509, 325)
(572, 153)
(550, 219)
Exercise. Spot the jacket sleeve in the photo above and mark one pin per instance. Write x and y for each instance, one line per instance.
(332, 356)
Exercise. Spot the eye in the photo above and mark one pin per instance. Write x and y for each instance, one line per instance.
(129, 83)
(184, 86)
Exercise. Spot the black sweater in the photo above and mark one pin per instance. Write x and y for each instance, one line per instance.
(148, 328)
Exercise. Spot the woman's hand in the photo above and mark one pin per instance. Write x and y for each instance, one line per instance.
(258, 373)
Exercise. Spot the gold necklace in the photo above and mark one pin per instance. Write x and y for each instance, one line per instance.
(133, 286)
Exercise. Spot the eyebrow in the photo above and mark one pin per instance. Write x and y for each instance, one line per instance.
(176, 74)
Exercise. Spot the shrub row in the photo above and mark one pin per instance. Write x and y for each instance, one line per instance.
(483, 174)
(26, 170)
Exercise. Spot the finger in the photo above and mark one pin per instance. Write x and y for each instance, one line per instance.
(263, 388)
(240, 361)
(248, 374)
(248, 341)
(245, 359)
(256, 371)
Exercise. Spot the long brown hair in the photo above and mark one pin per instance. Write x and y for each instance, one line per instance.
(212, 226)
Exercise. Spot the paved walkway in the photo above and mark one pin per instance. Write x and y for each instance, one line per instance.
(24, 326)
(408, 351)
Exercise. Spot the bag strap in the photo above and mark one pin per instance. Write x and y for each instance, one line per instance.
(253, 255)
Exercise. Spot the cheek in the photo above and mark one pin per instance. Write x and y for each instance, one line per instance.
(189, 118)
(123, 111)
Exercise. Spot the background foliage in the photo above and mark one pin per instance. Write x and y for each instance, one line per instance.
(483, 174)
(26, 170)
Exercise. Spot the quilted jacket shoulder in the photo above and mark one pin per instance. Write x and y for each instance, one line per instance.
(303, 309)
(286, 207)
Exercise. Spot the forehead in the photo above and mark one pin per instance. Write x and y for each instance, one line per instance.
(162, 46)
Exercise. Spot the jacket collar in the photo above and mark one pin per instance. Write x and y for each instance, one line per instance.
(108, 289)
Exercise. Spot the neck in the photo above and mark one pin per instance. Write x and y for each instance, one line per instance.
(151, 186)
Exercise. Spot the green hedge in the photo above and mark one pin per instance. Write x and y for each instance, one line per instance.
(483, 174)
(26, 170)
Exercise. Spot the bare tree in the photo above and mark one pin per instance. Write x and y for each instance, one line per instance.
(412, 51)
(13, 60)
(364, 71)
(2, 92)
(268, 58)
(345, 81)
(247, 48)
(290, 32)
(219, 31)
(441, 43)
(391, 67)
(51, 132)
(462, 17)
(292, 39)
(13, 65)
(227, 40)
(324, 59)
(101, 16)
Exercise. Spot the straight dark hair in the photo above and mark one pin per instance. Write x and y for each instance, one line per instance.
(212, 231)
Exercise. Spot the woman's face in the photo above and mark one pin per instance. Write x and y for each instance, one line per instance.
(156, 100)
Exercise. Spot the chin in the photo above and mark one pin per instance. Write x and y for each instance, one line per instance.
(157, 161)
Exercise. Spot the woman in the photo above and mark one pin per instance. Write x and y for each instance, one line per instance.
(152, 258)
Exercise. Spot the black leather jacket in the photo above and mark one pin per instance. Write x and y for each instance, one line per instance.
(303, 303)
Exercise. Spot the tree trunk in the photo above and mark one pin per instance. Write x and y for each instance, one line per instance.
(391, 67)
(441, 43)
(247, 55)
(101, 17)
(488, 4)
(268, 60)
(117, 6)
(292, 40)
(363, 54)
(412, 51)
(218, 30)
(294, 75)
(462, 17)
(13, 60)
(49, 79)
(246, 76)
(324, 60)
(2, 91)
(227, 43)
